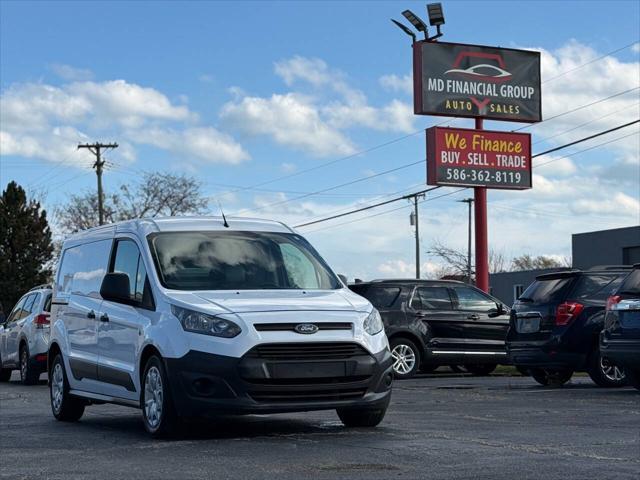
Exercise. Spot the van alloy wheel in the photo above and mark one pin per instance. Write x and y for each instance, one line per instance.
(611, 371)
(404, 359)
(153, 397)
(57, 388)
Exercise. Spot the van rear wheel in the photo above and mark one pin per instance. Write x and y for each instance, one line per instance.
(64, 406)
(28, 374)
(550, 377)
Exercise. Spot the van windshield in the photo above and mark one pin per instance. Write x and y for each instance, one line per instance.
(239, 261)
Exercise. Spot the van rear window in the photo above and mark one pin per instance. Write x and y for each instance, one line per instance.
(546, 291)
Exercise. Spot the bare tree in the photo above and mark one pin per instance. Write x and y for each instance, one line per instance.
(454, 262)
(529, 262)
(158, 194)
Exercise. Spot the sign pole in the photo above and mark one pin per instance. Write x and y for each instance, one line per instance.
(482, 243)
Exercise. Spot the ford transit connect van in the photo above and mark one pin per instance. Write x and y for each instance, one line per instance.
(184, 317)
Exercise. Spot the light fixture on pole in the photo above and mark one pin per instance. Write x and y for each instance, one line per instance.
(405, 30)
(436, 18)
(417, 23)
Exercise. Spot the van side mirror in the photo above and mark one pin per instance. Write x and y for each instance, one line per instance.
(115, 287)
(343, 278)
(499, 310)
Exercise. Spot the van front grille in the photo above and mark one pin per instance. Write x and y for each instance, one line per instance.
(307, 351)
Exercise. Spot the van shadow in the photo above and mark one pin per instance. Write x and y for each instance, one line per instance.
(214, 428)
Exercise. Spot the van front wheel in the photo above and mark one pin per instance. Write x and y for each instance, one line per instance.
(158, 412)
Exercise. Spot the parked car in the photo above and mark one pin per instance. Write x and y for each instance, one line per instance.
(620, 339)
(24, 336)
(556, 323)
(439, 322)
(184, 317)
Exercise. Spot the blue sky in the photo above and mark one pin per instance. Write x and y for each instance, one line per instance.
(239, 93)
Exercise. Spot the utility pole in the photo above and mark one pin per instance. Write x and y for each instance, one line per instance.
(95, 148)
(468, 201)
(414, 220)
(482, 241)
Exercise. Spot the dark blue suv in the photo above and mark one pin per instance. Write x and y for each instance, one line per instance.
(620, 339)
(555, 327)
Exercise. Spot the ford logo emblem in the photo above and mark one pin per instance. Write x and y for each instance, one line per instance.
(306, 328)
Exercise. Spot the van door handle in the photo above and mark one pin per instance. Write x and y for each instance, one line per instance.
(104, 317)
(474, 317)
(91, 314)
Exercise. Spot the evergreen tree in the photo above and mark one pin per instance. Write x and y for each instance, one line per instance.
(25, 245)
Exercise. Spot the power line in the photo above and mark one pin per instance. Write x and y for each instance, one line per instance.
(577, 108)
(533, 156)
(591, 61)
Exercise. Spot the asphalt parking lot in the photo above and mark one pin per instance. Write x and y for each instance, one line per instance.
(438, 426)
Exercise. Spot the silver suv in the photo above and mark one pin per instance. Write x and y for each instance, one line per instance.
(24, 336)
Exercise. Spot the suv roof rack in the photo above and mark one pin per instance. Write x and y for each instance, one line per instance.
(42, 287)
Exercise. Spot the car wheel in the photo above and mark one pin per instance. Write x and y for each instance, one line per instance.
(551, 377)
(480, 370)
(158, 412)
(362, 417)
(64, 406)
(604, 373)
(633, 377)
(28, 375)
(406, 357)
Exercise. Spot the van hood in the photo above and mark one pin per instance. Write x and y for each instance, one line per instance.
(245, 301)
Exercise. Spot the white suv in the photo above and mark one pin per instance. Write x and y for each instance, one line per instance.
(24, 336)
(193, 316)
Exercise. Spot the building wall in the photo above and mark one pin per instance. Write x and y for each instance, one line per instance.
(506, 286)
(619, 246)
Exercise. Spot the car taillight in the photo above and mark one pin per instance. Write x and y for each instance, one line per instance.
(567, 312)
(613, 300)
(41, 320)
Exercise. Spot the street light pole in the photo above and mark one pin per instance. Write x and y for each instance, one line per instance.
(414, 220)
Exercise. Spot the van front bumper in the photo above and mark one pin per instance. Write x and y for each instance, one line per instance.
(278, 378)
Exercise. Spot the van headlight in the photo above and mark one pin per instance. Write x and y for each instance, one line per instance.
(373, 323)
(198, 322)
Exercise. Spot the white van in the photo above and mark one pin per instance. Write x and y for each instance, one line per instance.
(184, 317)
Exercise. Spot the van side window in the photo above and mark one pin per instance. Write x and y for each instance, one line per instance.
(28, 306)
(17, 310)
(83, 268)
(128, 260)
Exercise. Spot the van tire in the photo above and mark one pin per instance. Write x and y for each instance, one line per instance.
(156, 390)
(28, 374)
(365, 417)
(70, 408)
(404, 349)
(603, 372)
(550, 377)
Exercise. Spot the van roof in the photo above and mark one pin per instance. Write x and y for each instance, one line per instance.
(145, 226)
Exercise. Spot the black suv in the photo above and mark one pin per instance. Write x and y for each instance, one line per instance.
(556, 323)
(439, 322)
(620, 339)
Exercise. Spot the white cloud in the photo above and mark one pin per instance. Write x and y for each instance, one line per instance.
(69, 73)
(45, 121)
(202, 143)
(396, 83)
(558, 166)
(291, 120)
(288, 167)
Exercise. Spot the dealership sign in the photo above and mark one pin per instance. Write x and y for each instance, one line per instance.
(478, 158)
(460, 80)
